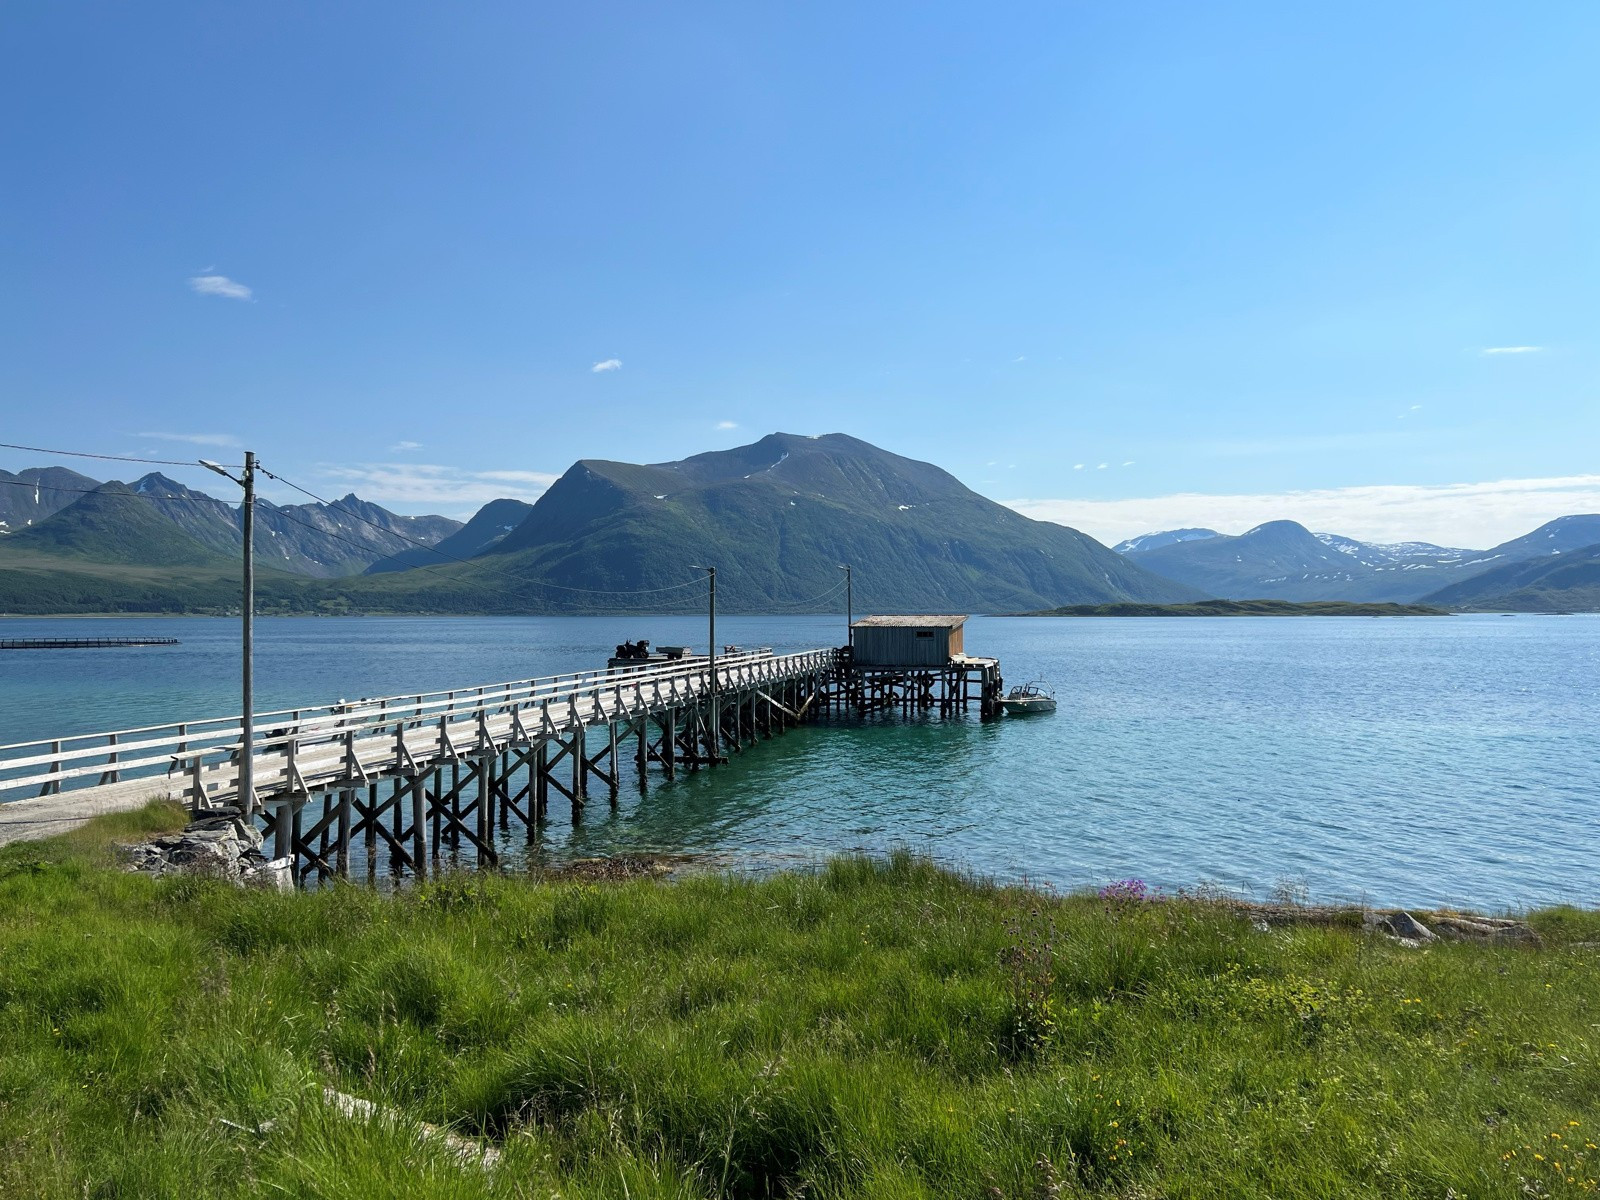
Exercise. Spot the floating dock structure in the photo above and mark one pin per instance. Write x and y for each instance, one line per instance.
(411, 778)
(94, 643)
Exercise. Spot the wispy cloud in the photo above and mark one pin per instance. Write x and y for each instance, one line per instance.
(219, 285)
(1129, 463)
(607, 364)
(1102, 466)
(1452, 514)
(1020, 358)
(401, 447)
(1512, 349)
(1077, 466)
(195, 439)
(415, 486)
(542, 479)
(727, 424)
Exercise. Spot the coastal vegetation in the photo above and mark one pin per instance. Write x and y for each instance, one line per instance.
(867, 1028)
(1246, 608)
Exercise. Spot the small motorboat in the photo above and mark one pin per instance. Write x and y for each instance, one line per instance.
(1028, 698)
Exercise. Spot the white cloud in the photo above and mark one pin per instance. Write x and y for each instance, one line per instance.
(1476, 515)
(1020, 358)
(195, 439)
(727, 424)
(607, 364)
(1077, 466)
(1512, 349)
(219, 285)
(1102, 466)
(418, 485)
(401, 447)
(1129, 463)
(542, 478)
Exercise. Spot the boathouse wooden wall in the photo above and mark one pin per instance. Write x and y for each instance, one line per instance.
(929, 644)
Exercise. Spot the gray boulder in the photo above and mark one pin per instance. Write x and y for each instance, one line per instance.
(216, 845)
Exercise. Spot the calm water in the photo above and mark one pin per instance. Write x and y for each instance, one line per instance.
(1418, 761)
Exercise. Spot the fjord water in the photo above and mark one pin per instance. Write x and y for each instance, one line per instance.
(1417, 761)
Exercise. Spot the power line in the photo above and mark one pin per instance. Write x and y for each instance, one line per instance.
(160, 462)
(50, 487)
(796, 605)
(334, 505)
(434, 571)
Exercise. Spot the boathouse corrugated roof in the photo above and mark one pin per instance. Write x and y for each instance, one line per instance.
(945, 621)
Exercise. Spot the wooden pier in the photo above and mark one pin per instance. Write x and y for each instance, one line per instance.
(406, 779)
(436, 772)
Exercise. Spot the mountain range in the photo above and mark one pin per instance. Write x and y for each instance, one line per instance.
(1283, 560)
(777, 518)
(156, 521)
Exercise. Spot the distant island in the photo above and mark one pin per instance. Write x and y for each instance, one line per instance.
(1244, 608)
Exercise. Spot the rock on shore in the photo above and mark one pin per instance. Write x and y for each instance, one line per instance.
(219, 845)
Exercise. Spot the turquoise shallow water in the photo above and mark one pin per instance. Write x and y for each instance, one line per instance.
(1438, 761)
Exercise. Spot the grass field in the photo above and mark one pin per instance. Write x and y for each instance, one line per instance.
(870, 1029)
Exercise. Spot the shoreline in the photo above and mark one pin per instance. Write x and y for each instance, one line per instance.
(45, 819)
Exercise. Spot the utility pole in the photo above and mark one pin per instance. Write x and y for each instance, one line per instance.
(711, 649)
(247, 518)
(849, 609)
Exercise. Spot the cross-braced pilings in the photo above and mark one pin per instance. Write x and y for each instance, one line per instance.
(948, 689)
(457, 774)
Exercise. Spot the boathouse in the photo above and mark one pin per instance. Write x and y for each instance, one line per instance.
(915, 641)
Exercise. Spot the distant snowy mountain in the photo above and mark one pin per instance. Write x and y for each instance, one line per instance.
(1382, 554)
(1282, 560)
(1167, 537)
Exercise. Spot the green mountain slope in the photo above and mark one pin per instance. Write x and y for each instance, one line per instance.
(488, 528)
(777, 518)
(1567, 582)
(113, 524)
(321, 540)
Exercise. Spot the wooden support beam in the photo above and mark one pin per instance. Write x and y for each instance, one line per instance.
(346, 802)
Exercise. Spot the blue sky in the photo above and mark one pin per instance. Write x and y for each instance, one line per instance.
(1251, 257)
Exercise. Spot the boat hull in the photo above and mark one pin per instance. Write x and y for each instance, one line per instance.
(1024, 708)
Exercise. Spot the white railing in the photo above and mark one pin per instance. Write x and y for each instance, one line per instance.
(90, 760)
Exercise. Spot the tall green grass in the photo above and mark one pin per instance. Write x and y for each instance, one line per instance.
(873, 1028)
